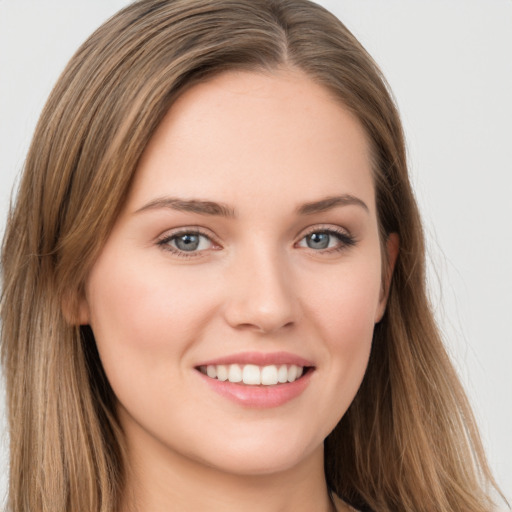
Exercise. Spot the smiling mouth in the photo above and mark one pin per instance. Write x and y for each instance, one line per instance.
(253, 375)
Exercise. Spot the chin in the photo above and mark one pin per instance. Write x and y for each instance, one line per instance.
(260, 456)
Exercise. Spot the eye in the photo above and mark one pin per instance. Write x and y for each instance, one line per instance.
(186, 243)
(327, 240)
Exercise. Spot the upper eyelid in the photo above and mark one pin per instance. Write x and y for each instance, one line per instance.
(323, 228)
(171, 233)
(162, 242)
(344, 236)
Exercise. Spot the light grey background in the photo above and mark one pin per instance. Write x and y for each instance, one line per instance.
(450, 66)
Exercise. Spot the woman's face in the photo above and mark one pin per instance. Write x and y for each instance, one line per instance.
(248, 249)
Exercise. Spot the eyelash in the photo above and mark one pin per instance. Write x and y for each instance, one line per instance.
(163, 243)
(346, 240)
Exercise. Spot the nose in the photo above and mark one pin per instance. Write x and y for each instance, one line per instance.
(261, 293)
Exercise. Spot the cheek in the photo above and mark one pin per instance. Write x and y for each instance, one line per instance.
(143, 317)
(345, 303)
(344, 308)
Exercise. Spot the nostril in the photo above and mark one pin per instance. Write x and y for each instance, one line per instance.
(265, 327)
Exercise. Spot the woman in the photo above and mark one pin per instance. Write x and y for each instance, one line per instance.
(215, 263)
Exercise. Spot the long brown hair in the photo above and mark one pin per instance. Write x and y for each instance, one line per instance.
(408, 441)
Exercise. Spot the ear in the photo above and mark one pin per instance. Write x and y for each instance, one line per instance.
(392, 250)
(75, 308)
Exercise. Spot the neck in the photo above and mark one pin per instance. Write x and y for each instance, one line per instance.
(169, 481)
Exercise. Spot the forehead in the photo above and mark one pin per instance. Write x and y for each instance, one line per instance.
(247, 134)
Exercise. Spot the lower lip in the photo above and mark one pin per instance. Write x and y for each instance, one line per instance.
(259, 396)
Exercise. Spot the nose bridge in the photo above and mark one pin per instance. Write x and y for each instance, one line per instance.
(261, 292)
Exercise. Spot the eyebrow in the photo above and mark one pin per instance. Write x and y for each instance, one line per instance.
(213, 208)
(190, 205)
(329, 203)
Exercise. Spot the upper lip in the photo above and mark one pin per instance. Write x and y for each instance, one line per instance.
(259, 359)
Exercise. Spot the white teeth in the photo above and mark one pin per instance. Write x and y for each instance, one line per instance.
(282, 374)
(234, 373)
(254, 375)
(222, 372)
(292, 373)
(251, 374)
(269, 375)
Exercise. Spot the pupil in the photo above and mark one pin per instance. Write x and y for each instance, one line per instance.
(187, 242)
(318, 241)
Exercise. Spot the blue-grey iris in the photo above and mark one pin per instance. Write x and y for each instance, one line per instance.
(318, 240)
(187, 242)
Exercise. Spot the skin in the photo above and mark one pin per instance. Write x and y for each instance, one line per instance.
(263, 145)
